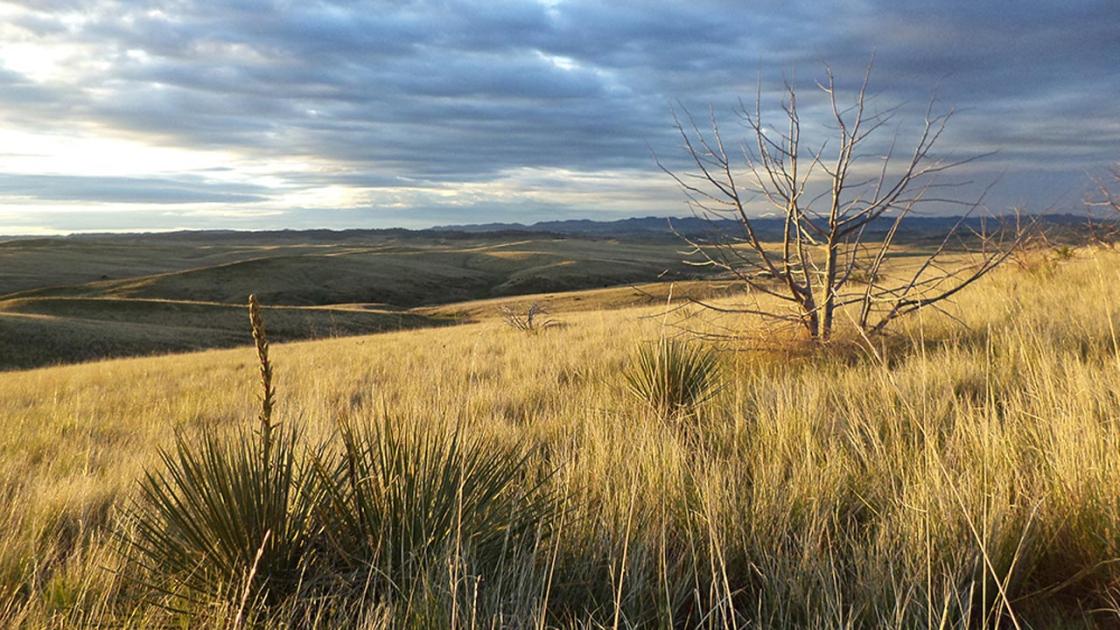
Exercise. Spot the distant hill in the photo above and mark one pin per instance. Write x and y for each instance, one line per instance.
(767, 227)
(642, 227)
(406, 273)
(70, 299)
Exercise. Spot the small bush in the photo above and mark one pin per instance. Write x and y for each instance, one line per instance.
(401, 500)
(532, 321)
(672, 377)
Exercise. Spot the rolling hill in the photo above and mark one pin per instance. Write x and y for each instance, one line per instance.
(45, 331)
(65, 300)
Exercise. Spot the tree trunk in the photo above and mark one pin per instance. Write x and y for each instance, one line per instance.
(810, 316)
(828, 304)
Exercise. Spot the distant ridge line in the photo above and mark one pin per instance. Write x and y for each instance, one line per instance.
(649, 226)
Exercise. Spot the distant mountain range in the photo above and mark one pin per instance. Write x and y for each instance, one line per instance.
(637, 227)
(767, 227)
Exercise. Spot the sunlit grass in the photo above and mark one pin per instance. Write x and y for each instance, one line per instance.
(948, 477)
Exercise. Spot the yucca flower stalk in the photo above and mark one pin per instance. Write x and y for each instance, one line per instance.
(268, 394)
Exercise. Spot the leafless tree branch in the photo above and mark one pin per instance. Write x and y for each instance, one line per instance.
(824, 247)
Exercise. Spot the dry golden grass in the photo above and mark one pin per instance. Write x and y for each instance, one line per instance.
(952, 477)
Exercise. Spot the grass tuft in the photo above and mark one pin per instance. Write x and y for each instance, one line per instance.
(403, 499)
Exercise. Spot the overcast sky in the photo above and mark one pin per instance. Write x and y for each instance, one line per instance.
(130, 114)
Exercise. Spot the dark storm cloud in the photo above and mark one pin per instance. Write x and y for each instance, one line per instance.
(450, 91)
(125, 190)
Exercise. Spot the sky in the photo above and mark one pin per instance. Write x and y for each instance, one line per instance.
(125, 115)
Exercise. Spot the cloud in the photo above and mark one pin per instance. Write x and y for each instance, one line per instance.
(125, 190)
(451, 94)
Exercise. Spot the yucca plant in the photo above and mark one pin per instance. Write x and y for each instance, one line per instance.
(403, 499)
(227, 521)
(223, 522)
(673, 377)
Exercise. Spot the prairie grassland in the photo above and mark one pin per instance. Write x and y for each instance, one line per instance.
(405, 274)
(950, 477)
(37, 332)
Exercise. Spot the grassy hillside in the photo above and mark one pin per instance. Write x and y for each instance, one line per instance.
(44, 331)
(951, 476)
(72, 300)
(54, 262)
(611, 298)
(400, 274)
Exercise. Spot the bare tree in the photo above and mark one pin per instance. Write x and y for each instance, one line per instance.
(1107, 196)
(831, 198)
